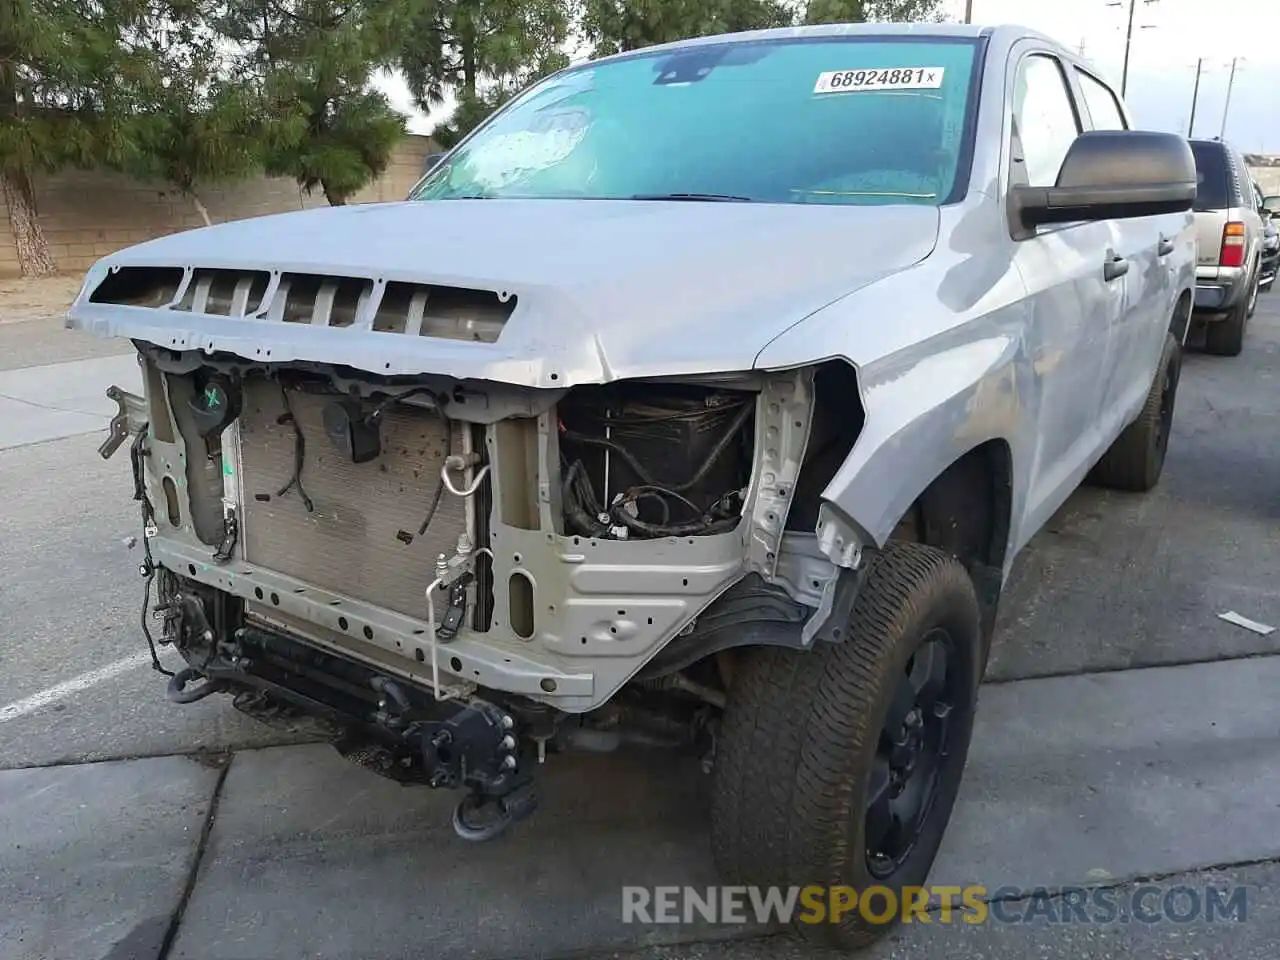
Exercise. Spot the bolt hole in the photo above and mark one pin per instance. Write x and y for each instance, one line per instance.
(684, 582)
(782, 491)
(275, 599)
(417, 655)
(584, 641)
(548, 685)
(368, 633)
(651, 621)
(418, 633)
(299, 590)
(342, 623)
(191, 568)
(455, 664)
(622, 613)
(516, 558)
(613, 630)
(555, 376)
(335, 603)
(257, 592)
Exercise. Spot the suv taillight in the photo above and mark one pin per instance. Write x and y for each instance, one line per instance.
(1232, 245)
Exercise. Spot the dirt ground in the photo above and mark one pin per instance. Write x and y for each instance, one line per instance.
(44, 299)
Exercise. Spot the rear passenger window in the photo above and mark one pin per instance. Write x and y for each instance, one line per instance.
(1214, 188)
(1104, 109)
(1045, 118)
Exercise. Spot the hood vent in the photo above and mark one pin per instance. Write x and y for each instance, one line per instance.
(412, 309)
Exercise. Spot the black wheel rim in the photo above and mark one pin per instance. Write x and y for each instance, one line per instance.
(914, 744)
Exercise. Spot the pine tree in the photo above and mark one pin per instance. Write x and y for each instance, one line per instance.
(482, 52)
(613, 26)
(60, 104)
(311, 63)
(196, 121)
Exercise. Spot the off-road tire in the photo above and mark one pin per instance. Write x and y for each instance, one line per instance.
(798, 745)
(1135, 459)
(1225, 337)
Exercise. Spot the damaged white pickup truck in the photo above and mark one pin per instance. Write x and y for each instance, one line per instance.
(700, 398)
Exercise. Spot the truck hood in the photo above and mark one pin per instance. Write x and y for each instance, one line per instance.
(605, 289)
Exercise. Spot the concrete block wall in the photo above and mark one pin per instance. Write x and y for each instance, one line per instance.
(87, 214)
(1268, 179)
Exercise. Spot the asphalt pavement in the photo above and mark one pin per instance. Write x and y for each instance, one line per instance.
(1127, 736)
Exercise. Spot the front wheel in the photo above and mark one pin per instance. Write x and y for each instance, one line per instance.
(839, 767)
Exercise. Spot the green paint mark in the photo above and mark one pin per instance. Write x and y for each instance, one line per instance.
(226, 469)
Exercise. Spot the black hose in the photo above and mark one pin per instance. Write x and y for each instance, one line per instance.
(299, 454)
(701, 526)
(717, 451)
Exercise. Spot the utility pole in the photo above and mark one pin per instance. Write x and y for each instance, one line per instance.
(1226, 107)
(968, 11)
(1195, 97)
(1128, 39)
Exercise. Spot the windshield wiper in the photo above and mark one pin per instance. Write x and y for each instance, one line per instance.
(717, 197)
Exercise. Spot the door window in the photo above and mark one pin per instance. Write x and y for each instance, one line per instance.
(1104, 109)
(1045, 118)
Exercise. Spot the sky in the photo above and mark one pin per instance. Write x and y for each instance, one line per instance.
(1169, 37)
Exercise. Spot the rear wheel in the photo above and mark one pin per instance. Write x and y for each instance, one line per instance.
(1136, 459)
(1225, 337)
(840, 766)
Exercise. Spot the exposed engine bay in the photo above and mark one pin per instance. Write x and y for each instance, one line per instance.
(643, 460)
(454, 579)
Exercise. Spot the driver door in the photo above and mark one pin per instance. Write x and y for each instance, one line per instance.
(1074, 292)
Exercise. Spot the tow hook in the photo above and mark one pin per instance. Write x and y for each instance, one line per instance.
(477, 748)
(177, 691)
(478, 818)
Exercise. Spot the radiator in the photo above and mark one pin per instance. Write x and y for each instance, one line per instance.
(353, 542)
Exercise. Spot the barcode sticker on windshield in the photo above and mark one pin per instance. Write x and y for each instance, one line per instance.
(893, 78)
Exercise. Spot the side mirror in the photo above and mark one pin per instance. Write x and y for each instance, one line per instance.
(1111, 175)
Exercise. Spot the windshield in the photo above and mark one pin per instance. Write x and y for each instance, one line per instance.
(833, 120)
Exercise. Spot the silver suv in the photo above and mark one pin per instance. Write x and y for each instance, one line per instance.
(700, 398)
(1229, 233)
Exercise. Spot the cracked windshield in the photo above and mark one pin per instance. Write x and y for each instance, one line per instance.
(774, 122)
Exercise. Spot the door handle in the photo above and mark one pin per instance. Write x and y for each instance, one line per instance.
(1115, 268)
(1165, 247)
